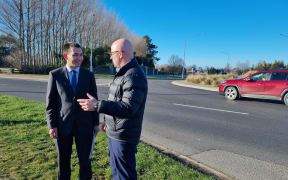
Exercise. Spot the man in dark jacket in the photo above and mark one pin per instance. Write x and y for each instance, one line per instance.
(65, 118)
(123, 110)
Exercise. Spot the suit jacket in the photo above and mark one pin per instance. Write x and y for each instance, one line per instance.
(62, 109)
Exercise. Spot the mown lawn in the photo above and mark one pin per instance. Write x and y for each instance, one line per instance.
(27, 152)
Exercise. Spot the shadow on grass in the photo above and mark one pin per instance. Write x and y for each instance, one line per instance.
(25, 92)
(9, 122)
(182, 161)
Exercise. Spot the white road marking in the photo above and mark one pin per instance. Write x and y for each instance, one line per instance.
(222, 110)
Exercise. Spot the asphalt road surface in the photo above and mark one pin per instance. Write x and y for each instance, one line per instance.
(245, 139)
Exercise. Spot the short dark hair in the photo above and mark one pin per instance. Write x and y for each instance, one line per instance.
(69, 45)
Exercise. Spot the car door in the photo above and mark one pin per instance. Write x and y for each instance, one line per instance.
(277, 84)
(256, 83)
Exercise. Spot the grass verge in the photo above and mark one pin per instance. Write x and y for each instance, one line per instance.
(211, 80)
(27, 152)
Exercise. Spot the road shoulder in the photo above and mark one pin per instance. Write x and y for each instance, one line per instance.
(184, 83)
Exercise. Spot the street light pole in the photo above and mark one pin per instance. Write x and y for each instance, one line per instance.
(184, 60)
(183, 68)
(228, 57)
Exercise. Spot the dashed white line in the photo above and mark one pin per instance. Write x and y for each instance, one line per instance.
(212, 109)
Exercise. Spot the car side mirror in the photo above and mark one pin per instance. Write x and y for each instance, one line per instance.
(248, 79)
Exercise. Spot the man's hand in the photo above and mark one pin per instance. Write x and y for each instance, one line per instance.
(88, 104)
(53, 133)
(103, 127)
(96, 130)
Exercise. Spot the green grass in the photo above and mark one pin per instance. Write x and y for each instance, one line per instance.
(27, 152)
(165, 77)
(110, 76)
(6, 70)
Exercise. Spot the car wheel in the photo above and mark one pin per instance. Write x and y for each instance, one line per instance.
(285, 99)
(231, 93)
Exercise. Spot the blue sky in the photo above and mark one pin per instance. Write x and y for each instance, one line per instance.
(213, 29)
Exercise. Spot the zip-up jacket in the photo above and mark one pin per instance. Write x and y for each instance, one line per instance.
(125, 106)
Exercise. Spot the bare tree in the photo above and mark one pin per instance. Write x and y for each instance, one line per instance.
(43, 26)
(140, 45)
(176, 64)
(242, 67)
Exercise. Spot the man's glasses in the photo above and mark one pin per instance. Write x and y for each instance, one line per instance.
(112, 53)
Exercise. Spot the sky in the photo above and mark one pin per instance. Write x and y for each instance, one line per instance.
(216, 32)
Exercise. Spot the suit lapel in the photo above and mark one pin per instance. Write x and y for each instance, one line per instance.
(65, 73)
(67, 81)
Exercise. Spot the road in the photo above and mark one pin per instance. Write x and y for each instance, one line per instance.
(245, 139)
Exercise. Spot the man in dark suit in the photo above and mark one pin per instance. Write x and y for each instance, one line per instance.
(65, 118)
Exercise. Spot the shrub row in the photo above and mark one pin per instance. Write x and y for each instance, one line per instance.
(212, 80)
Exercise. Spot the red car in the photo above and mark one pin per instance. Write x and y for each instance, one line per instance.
(270, 84)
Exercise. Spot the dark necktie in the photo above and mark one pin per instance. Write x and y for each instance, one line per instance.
(74, 83)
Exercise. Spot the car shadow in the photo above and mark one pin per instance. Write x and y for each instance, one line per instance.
(260, 100)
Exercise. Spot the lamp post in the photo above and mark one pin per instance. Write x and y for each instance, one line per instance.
(228, 56)
(184, 60)
(183, 68)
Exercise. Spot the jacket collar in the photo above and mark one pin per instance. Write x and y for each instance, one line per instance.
(127, 66)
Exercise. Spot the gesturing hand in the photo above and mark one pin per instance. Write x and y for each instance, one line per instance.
(88, 104)
(103, 127)
(53, 133)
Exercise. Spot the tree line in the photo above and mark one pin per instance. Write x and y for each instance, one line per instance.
(36, 30)
(176, 63)
(243, 67)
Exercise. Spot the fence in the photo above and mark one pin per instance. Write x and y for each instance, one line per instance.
(111, 70)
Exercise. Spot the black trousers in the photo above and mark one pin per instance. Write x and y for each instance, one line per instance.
(64, 149)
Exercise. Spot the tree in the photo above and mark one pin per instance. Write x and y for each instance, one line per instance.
(242, 67)
(140, 46)
(278, 65)
(150, 59)
(8, 41)
(41, 27)
(8, 45)
(212, 70)
(262, 65)
(227, 68)
(176, 64)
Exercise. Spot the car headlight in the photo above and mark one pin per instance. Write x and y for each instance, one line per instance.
(223, 81)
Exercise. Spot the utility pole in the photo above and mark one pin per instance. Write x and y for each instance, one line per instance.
(228, 57)
(184, 60)
(183, 68)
